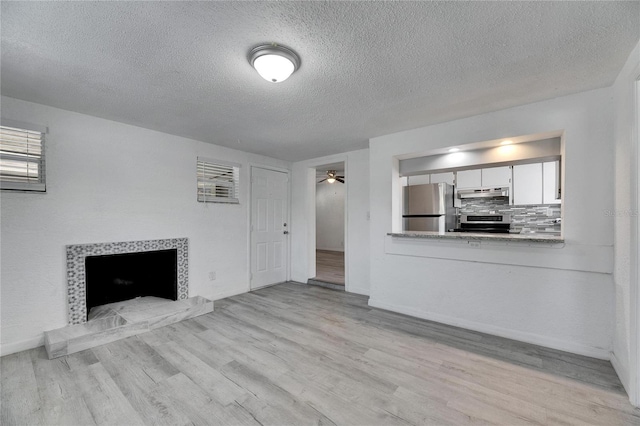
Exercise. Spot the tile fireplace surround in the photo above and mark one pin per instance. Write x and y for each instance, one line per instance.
(76, 254)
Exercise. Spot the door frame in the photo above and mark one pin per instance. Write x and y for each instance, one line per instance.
(634, 276)
(311, 182)
(250, 215)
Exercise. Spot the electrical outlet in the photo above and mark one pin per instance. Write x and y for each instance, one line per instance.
(212, 276)
(474, 244)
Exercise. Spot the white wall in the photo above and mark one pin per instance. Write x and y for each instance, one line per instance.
(303, 219)
(626, 227)
(108, 181)
(558, 297)
(330, 216)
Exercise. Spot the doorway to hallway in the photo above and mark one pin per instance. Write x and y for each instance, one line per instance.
(330, 226)
(330, 266)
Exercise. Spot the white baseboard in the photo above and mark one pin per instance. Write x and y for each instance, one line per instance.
(228, 293)
(23, 345)
(621, 370)
(359, 290)
(536, 339)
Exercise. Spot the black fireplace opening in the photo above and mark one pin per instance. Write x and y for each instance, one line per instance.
(118, 277)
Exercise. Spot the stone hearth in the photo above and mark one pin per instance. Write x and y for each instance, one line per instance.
(117, 321)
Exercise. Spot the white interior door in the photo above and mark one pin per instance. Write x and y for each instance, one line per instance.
(269, 227)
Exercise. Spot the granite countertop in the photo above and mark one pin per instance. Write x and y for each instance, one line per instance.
(472, 236)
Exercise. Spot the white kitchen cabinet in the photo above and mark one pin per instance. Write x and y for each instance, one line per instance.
(469, 179)
(551, 182)
(527, 184)
(417, 180)
(496, 177)
(442, 178)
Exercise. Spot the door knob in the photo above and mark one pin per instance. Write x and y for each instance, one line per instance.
(285, 232)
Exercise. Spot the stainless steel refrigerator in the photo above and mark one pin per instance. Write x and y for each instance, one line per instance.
(428, 207)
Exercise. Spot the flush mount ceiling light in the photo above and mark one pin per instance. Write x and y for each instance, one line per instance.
(454, 149)
(273, 62)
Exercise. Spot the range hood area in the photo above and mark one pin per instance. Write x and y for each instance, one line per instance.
(483, 193)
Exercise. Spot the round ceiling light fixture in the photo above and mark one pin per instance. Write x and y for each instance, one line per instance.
(273, 62)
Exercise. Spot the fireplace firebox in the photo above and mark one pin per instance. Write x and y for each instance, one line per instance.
(119, 277)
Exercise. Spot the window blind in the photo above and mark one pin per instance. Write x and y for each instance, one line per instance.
(22, 165)
(218, 181)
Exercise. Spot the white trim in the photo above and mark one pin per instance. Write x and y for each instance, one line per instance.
(23, 345)
(266, 286)
(274, 168)
(225, 294)
(359, 290)
(536, 339)
(347, 275)
(311, 222)
(634, 276)
(622, 373)
(311, 183)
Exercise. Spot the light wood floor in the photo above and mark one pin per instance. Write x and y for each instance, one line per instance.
(295, 354)
(330, 266)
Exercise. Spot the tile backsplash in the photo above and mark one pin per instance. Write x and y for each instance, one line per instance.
(526, 219)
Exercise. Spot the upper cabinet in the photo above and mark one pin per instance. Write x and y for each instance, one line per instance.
(496, 177)
(442, 178)
(493, 177)
(536, 183)
(551, 193)
(418, 180)
(469, 179)
(431, 178)
(527, 184)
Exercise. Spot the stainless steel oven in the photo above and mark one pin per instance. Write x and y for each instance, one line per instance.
(493, 223)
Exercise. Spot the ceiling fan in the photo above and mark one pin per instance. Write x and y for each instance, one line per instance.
(332, 176)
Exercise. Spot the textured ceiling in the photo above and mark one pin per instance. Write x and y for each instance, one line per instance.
(368, 68)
